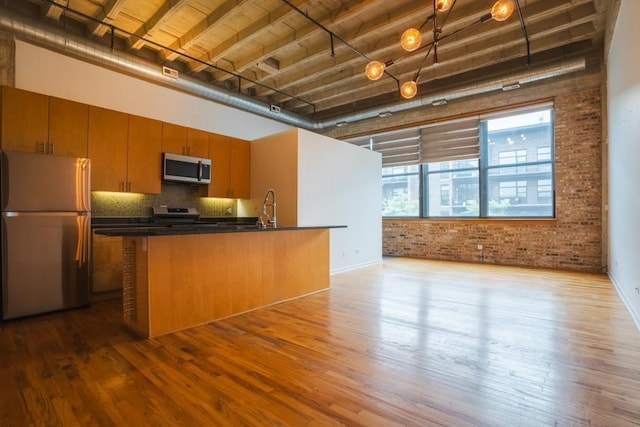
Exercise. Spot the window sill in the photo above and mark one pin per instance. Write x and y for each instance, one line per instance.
(539, 221)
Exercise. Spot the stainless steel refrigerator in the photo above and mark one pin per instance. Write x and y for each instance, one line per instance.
(46, 225)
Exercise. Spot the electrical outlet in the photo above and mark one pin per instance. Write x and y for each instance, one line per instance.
(480, 247)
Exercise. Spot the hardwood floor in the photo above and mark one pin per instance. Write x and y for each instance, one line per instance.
(407, 342)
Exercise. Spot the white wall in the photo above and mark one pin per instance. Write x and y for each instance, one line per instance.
(623, 87)
(335, 183)
(340, 184)
(43, 71)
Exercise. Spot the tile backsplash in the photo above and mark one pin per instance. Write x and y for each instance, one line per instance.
(135, 204)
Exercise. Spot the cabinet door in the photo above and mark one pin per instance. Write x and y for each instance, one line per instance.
(106, 260)
(25, 120)
(145, 155)
(108, 132)
(174, 138)
(198, 143)
(240, 169)
(220, 153)
(68, 127)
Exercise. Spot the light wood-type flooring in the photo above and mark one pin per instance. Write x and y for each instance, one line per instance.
(405, 342)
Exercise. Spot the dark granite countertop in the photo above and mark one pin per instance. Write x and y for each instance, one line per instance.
(200, 228)
(146, 221)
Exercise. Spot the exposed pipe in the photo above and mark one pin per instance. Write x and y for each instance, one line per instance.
(60, 41)
(566, 67)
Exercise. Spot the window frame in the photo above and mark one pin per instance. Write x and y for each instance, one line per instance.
(484, 171)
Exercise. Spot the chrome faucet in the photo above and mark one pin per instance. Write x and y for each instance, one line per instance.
(271, 221)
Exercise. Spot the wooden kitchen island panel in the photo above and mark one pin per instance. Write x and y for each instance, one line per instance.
(173, 282)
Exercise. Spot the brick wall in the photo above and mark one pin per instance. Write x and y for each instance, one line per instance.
(572, 241)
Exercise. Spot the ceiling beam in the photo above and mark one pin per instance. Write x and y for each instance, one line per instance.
(249, 33)
(54, 12)
(191, 37)
(350, 9)
(168, 9)
(107, 14)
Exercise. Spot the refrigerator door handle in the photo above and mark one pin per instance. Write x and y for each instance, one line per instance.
(83, 224)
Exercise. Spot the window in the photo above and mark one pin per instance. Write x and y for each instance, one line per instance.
(459, 179)
(444, 194)
(516, 169)
(544, 191)
(401, 191)
(493, 166)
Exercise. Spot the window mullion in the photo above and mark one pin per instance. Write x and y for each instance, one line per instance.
(483, 164)
(424, 206)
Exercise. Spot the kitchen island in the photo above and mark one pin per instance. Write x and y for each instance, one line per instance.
(179, 277)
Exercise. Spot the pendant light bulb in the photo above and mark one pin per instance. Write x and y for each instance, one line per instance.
(443, 5)
(409, 89)
(502, 10)
(374, 70)
(411, 39)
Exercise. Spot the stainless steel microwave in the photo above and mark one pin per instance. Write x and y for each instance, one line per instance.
(179, 168)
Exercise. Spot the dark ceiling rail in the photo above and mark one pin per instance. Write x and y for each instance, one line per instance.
(333, 35)
(113, 29)
(524, 31)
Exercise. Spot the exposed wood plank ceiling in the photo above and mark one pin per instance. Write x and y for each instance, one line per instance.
(289, 61)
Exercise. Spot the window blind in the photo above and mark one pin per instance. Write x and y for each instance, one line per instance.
(451, 140)
(397, 148)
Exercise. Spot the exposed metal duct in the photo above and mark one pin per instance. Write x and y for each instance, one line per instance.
(60, 41)
(440, 98)
(55, 39)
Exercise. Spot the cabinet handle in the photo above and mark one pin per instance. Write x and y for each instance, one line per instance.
(129, 186)
(122, 186)
(43, 150)
(51, 148)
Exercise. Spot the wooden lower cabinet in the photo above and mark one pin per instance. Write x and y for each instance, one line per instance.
(106, 260)
(180, 281)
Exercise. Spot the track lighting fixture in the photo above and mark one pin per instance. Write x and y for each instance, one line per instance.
(411, 40)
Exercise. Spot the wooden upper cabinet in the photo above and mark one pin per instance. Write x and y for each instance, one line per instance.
(231, 167)
(68, 128)
(108, 140)
(43, 124)
(198, 143)
(145, 155)
(174, 138)
(240, 165)
(25, 120)
(186, 141)
(125, 152)
(220, 152)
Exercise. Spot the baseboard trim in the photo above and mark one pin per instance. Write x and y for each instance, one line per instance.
(355, 266)
(634, 315)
